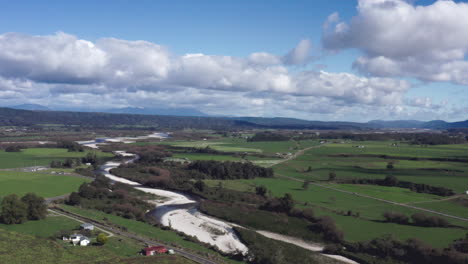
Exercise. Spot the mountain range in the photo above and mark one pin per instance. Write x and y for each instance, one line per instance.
(30, 114)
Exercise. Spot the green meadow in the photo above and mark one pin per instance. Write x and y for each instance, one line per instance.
(329, 202)
(331, 157)
(227, 144)
(43, 184)
(144, 229)
(39, 157)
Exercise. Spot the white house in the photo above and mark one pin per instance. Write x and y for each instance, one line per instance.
(87, 226)
(78, 239)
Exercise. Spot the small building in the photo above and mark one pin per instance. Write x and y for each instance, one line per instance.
(78, 239)
(150, 251)
(87, 226)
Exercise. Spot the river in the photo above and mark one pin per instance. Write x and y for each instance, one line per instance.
(179, 211)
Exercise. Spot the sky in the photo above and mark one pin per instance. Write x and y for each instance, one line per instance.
(347, 60)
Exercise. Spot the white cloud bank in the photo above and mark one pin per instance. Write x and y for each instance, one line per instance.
(63, 70)
(400, 39)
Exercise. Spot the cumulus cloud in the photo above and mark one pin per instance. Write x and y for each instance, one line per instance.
(399, 38)
(117, 73)
(300, 55)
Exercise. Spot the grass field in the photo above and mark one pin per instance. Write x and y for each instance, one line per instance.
(329, 202)
(45, 185)
(144, 229)
(18, 248)
(30, 242)
(449, 207)
(438, 173)
(39, 157)
(43, 228)
(226, 144)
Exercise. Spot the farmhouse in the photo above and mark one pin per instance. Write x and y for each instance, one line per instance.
(87, 226)
(150, 251)
(78, 239)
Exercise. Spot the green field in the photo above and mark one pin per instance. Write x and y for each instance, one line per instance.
(241, 145)
(39, 157)
(43, 184)
(43, 228)
(328, 202)
(448, 207)
(322, 160)
(30, 242)
(144, 229)
(18, 248)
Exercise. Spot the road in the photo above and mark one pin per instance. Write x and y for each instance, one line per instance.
(115, 231)
(379, 199)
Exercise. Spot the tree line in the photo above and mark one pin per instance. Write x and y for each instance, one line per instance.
(418, 219)
(118, 199)
(393, 181)
(16, 210)
(228, 170)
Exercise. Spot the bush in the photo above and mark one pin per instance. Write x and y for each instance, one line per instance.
(395, 217)
(326, 225)
(102, 239)
(13, 148)
(421, 219)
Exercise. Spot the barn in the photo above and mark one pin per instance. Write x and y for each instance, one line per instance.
(150, 251)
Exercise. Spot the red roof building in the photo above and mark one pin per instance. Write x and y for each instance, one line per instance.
(150, 251)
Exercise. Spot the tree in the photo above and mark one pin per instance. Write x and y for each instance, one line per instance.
(261, 190)
(14, 211)
(13, 148)
(305, 185)
(199, 185)
(396, 217)
(332, 176)
(74, 199)
(287, 202)
(36, 207)
(390, 180)
(309, 169)
(390, 165)
(102, 239)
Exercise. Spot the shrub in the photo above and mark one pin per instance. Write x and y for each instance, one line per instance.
(396, 217)
(421, 219)
(13, 148)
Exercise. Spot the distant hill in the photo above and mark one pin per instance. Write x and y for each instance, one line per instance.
(157, 111)
(30, 107)
(17, 117)
(396, 123)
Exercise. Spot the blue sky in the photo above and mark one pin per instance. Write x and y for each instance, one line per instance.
(327, 80)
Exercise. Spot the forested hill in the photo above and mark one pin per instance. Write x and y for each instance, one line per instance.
(16, 117)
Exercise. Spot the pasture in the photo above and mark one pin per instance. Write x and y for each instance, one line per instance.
(368, 162)
(144, 229)
(39, 157)
(228, 144)
(43, 184)
(337, 204)
(18, 248)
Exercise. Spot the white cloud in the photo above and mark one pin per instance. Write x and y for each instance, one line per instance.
(300, 55)
(401, 39)
(117, 73)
